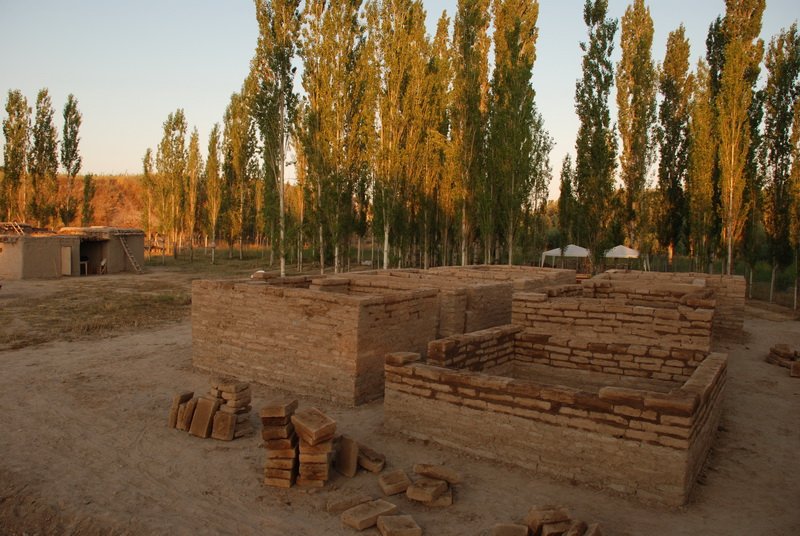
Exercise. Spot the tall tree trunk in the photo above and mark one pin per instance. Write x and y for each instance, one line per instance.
(321, 252)
(510, 244)
(385, 244)
(771, 283)
(464, 233)
(213, 244)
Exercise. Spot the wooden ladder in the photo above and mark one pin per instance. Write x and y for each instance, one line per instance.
(17, 228)
(131, 258)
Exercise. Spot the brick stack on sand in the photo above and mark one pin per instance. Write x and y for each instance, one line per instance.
(317, 446)
(280, 439)
(224, 413)
(783, 355)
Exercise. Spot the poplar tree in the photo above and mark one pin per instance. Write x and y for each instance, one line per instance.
(214, 185)
(743, 52)
(239, 149)
(794, 210)
(512, 122)
(675, 86)
(171, 163)
(70, 159)
(701, 168)
(782, 89)
(401, 48)
(435, 188)
(636, 104)
(148, 189)
(275, 102)
(87, 210)
(43, 162)
(194, 171)
(567, 210)
(16, 130)
(470, 106)
(596, 146)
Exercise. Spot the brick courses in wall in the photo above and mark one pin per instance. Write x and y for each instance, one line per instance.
(313, 336)
(646, 442)
(728, 293)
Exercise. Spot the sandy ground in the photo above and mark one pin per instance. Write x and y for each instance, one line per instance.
(84, 449)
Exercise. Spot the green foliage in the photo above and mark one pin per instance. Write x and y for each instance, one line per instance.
(567, 209)
(87, 210)
(596, 145)
(43, 162)
(16, 130)
(636, 104)
(71, 160)
(214, 186)
(782, 89)
(675, 86)
(171, 164)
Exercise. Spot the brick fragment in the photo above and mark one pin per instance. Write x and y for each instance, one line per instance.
(394, 482)
(369, 459)
(346, 458)
(398, 526)
(438, 471)
(366, 515)
(313, 426)
(177, 400)
(426, 489)
(224, 426)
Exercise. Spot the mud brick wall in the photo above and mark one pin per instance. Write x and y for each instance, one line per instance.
(609, 354)
(683, 326)
(465, 305)
(324, 344)
(646, 444)
(523, 278)
(729, 294)
(483, 351)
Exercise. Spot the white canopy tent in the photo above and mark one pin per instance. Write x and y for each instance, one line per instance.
(571, 250)
(622, 252)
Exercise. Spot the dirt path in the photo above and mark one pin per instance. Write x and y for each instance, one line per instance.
(84, 448)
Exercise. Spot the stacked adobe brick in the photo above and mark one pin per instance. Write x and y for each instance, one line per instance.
(223, 413)
(280, 439)
(783, 355)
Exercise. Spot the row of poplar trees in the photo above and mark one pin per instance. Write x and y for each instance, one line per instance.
(30, 188)
(726, 151)
(395, 136)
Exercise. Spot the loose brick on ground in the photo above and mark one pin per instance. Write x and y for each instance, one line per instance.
(366, 515)
(555, 529)
(540, 515)
(369, 459)
(224, 426)
(445, 499)
(398, 526)
(394, 482)
(338, 504)
(509, 529)
(439, 472)
(426, 489)
(203, 418)
(188, 414)
(347, 457)
(177, 400)
(577, 528)
(313, 426)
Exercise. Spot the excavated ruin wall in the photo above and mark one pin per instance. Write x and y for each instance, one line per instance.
(316, 342)
(728, 293)
(646, 444)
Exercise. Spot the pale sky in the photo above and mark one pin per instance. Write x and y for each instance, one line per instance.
(129, 64)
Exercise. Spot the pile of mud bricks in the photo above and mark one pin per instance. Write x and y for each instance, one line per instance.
(783, 355)
(224, 413)
(300, 445)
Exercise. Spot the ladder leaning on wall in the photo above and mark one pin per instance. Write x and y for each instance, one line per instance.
(131, 258)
